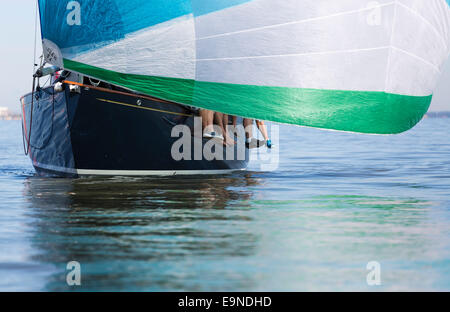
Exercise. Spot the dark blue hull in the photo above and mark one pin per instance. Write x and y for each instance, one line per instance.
(97, 131)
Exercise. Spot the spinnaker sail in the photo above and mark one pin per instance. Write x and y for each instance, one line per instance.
(350, 65)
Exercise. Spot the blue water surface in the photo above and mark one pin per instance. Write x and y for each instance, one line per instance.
(336, 202)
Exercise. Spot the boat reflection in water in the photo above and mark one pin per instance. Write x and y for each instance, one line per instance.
(242, 232)
(141, 233)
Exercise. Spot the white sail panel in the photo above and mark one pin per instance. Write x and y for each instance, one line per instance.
(167, 50)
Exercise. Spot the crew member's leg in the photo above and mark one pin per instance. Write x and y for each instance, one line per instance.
(248, 125)
(234, 121)
(207, 121)
(263, 129)
(222, 121)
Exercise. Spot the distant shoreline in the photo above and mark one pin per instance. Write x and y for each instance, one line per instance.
(11, 117)
(438, 114)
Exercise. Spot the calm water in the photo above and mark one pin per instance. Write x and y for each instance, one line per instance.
(336, 202)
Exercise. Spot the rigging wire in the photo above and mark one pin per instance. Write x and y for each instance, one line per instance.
(35, 34)
(26, 136)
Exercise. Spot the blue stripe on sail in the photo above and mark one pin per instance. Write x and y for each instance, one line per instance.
(107, 21)
(140, 14)
(202, 7)
(100, 22)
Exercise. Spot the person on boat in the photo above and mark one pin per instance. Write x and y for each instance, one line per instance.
(211, 118)
(208, 123)
(248, 125)
(222, 120)
(263, 129)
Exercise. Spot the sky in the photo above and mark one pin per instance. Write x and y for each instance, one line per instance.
(17, 18)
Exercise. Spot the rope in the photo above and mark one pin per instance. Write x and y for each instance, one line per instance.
(27, 136)
(35, 35)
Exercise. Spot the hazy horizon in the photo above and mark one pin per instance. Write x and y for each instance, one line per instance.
(18, 18)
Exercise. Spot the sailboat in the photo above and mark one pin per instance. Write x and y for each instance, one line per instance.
(134, 69)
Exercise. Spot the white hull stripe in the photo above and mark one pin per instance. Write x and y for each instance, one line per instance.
(83, 172)
(93, 172)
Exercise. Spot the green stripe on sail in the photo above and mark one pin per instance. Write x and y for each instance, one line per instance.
(356, 111)
(171, 89)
